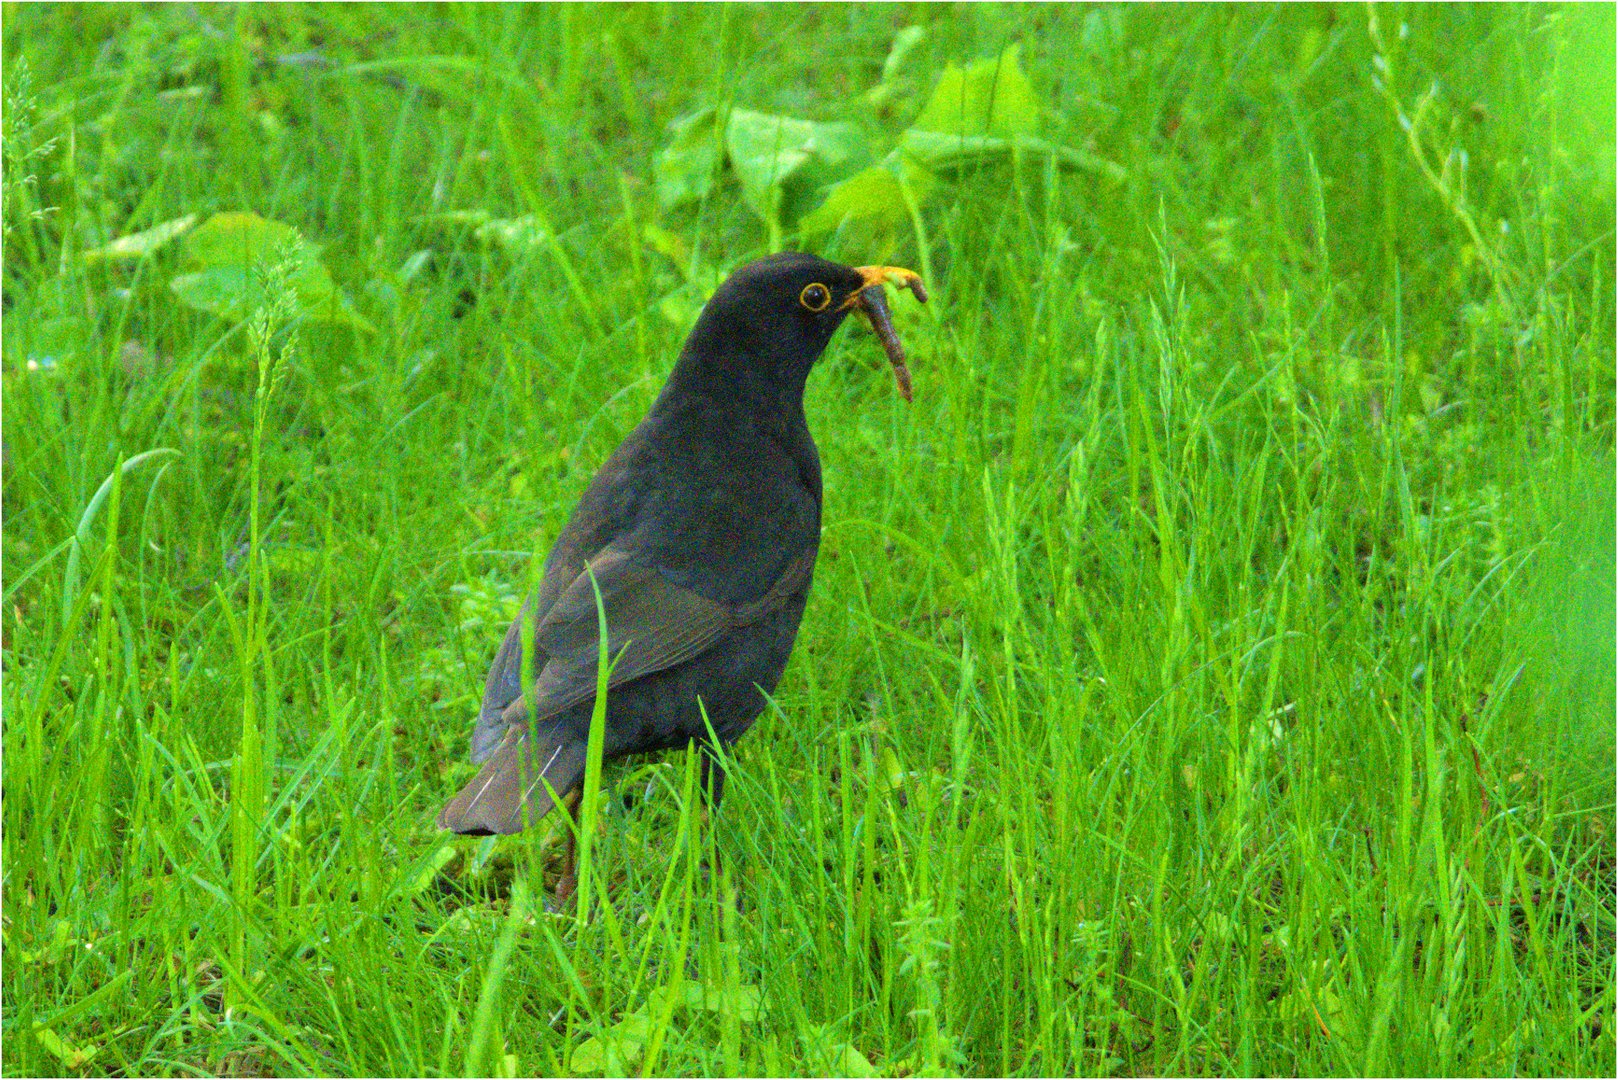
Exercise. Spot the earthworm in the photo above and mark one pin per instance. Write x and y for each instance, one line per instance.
(873, 300)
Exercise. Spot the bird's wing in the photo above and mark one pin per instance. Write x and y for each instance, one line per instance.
(504, 685)
(580, 541)
(652, 624)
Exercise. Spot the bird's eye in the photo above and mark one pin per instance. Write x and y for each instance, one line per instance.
(815, 297)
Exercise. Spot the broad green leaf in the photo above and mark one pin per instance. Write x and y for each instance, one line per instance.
(842, 1059)
(684, 170)
(745, 1002)
(72, 1057)
(229, 290)
(847, 1061)
(230, 255)
(989, 97)
(904, 43)
(140, 245)
(938, 150)
(241, 238)
(768, 152)
(590, 1056)
(764, 152)
(235, 292)
(616, 1051)
(337, 309)
(872, 194)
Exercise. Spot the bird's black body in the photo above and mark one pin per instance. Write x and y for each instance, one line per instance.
(701, 532)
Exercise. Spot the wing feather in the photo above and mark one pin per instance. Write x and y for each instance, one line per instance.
(652, 624)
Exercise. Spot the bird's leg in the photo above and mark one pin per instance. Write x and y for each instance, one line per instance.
(568, 883)
(712, 782)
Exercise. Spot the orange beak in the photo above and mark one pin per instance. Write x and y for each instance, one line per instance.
(878, 275)
(872, 299)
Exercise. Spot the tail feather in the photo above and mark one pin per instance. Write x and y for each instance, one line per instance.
(513, 789)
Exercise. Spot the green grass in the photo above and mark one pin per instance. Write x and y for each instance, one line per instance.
(1211, 672)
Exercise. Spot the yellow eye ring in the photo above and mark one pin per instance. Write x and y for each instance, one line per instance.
(815, 297)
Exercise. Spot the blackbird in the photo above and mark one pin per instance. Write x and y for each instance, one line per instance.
(700, 532)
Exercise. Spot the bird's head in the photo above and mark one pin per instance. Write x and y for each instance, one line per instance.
(768, 323)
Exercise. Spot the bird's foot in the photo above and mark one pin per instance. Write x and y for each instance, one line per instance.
(561, 900)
